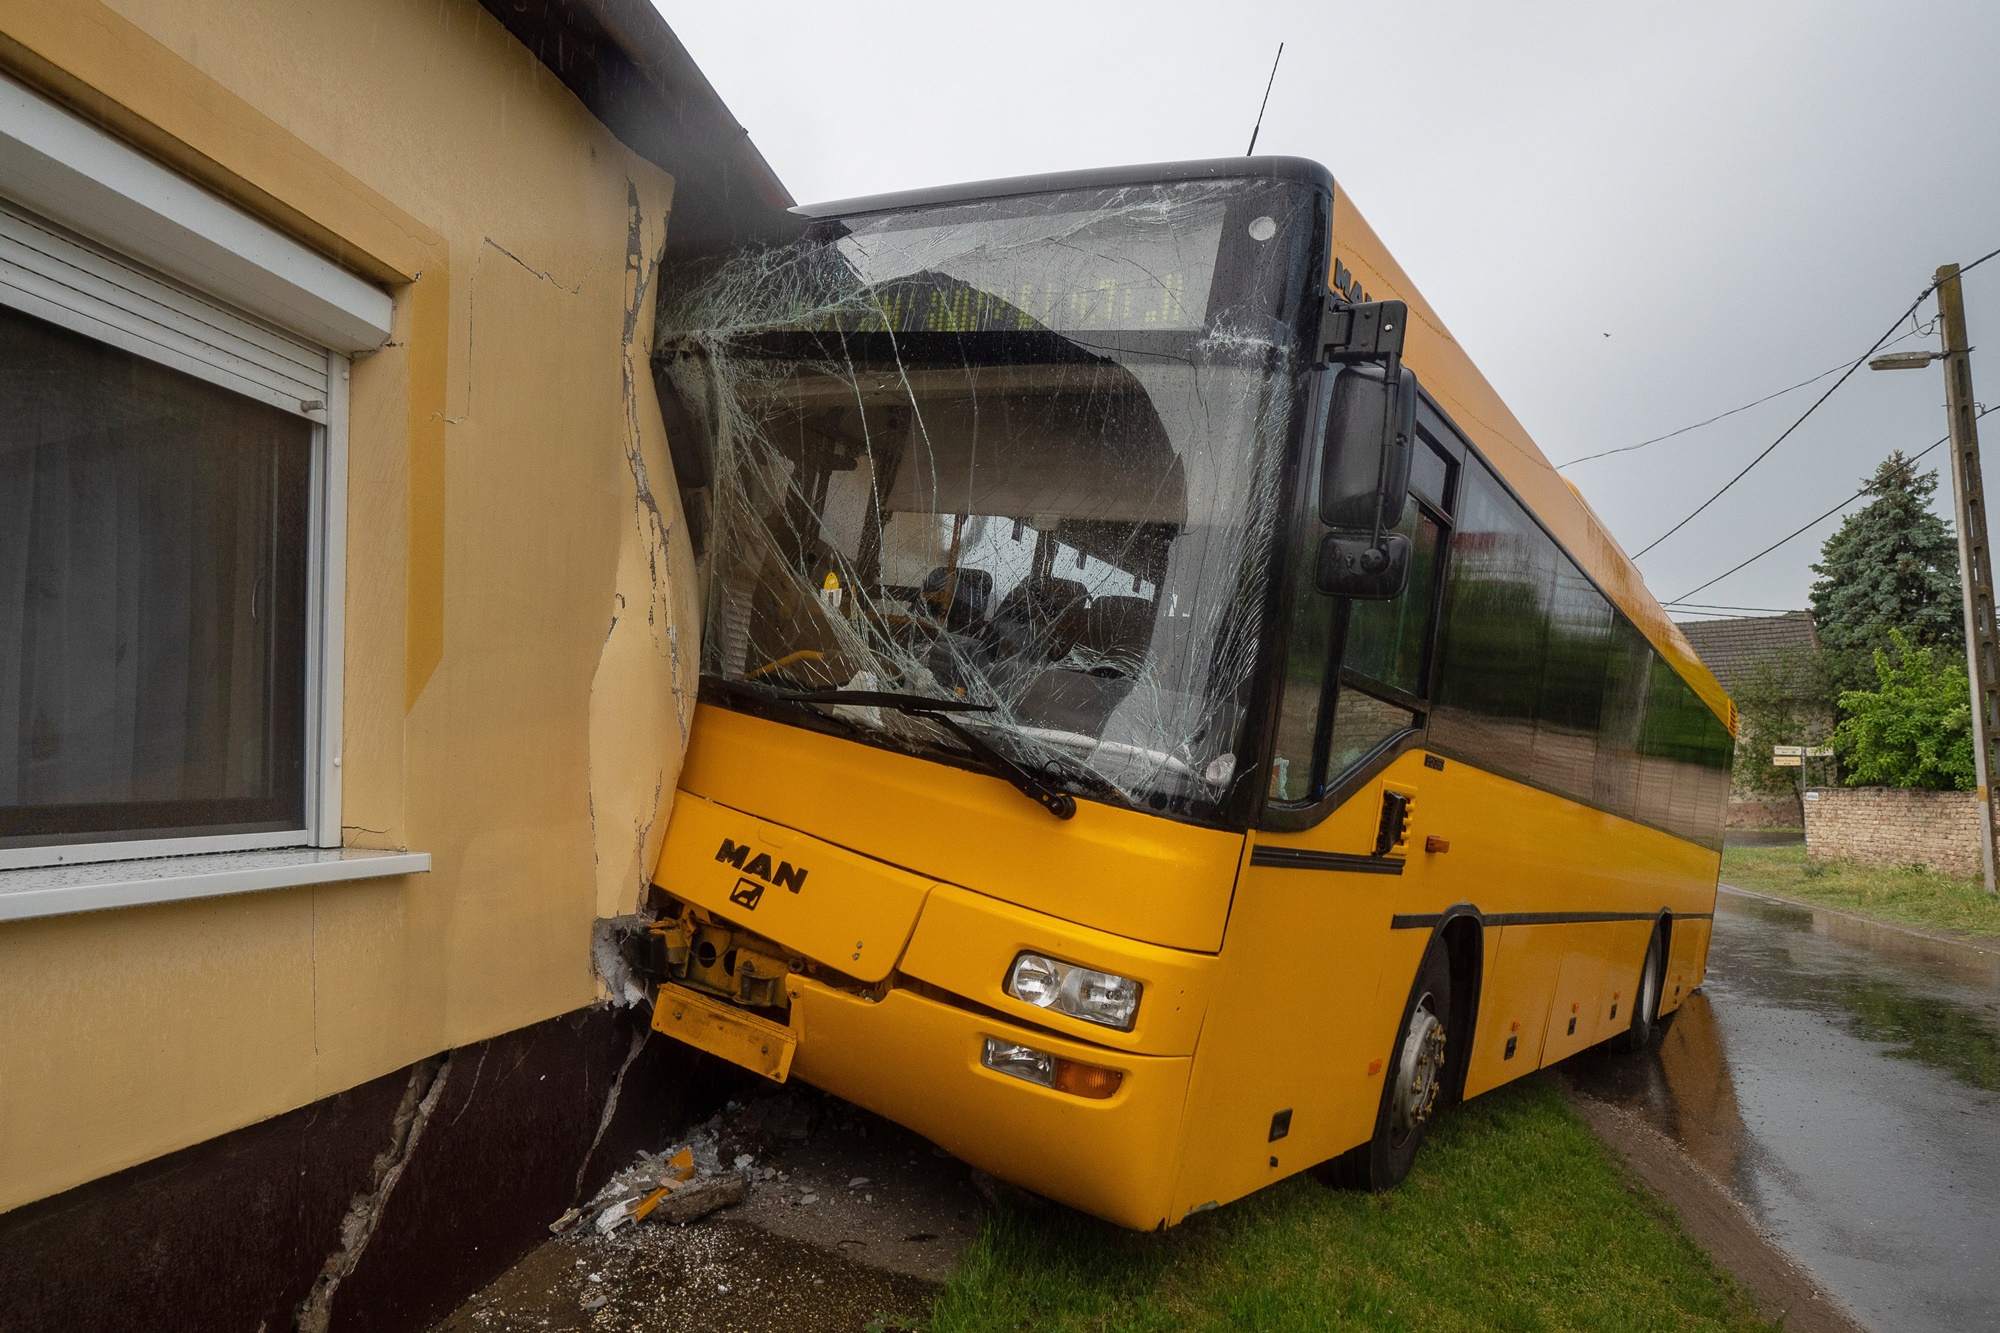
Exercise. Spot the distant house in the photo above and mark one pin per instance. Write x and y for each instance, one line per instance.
(1745, 653)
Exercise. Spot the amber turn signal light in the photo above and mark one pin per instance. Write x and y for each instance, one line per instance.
(1051, 1071)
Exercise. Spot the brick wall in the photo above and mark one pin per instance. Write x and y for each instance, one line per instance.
(1894, 826)
(1763, 810)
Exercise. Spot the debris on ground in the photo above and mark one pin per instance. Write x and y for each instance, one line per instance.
(675, 1187)
(788, 1209)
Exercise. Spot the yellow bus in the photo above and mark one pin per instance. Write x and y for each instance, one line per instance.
(1163, 725)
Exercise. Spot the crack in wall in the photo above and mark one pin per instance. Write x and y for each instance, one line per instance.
(472, 309)
(364, 1214)
(610, 1109)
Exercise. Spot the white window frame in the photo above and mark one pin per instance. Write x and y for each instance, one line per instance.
(208, 282)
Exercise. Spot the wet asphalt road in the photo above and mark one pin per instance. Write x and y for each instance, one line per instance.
(1844, 1081)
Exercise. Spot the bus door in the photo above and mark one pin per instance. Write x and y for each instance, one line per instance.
(1293, 1047)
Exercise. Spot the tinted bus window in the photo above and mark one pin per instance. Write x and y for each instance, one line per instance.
(1497, 593)
(1386, 640)
(1542, 679)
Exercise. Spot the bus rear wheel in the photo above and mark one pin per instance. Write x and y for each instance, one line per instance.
(1411, 1084)
(1646, 1003)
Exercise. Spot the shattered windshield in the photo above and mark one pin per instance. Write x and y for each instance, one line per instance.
(1023, 453)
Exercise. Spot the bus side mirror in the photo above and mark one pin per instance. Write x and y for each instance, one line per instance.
(1352, 565)
(1371, 425)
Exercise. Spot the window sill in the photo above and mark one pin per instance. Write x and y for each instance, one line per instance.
(61, 890)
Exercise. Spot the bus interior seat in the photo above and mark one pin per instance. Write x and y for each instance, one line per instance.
(1043, 616)
(970, 593)
(1118, 630)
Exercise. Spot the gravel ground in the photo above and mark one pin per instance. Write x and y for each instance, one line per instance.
(848, 1223)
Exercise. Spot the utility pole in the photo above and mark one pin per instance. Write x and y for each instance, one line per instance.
(1975, 564)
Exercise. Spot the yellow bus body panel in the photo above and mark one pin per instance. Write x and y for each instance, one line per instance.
(850, 912)
(1315, 972)
(916, 1061)
(967, 941)
(1122, 871)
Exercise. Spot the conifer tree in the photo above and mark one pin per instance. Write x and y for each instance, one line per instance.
(1890, 566)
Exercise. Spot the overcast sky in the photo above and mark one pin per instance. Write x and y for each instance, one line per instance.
(1634, 217)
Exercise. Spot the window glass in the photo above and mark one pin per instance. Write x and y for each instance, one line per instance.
(1542, 679)
(1566, 722)
(1628, 667)
(1307, 654)
(1497, 593)
(1386, 640)
(152, 598)
(1028, 451)
(1430, 475)
(1360, 723)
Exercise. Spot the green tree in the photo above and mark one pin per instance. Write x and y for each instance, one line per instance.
(1915, 730)
(1785, 699)
(1890, 566)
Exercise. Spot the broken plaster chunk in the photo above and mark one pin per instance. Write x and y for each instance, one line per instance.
(857, 1182)
(701, 1198)
(743, 1159)
(809, 1198)
(617, 1215)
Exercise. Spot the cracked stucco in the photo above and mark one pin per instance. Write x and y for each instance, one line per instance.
(642, 696)
(364, 1214)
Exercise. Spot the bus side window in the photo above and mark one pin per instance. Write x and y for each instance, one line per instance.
(1387, 646)
(1308, 654)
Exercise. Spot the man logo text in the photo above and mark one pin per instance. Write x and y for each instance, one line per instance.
(757, 865)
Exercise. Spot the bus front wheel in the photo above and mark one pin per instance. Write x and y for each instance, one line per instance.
(1411, 1084)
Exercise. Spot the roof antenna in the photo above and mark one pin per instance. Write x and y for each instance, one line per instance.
(1266, 102)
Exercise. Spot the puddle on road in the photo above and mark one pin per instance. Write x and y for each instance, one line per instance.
(1917, 997)
(1839, 1077)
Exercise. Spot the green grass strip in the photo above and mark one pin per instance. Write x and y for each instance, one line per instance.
(1516, 1217)
(1906, 895)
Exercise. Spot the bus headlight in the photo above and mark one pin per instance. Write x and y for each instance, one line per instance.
(1080, 992)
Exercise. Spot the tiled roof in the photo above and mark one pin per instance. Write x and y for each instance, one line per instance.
(1731, 648)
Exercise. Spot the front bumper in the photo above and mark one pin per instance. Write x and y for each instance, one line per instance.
(915, 1060)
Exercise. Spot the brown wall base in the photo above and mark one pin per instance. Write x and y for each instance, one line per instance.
(443, 1173)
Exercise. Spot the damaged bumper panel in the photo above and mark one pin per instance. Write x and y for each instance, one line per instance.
(844, 911)
(917, 1060)
(722, 1029)
(889, 990)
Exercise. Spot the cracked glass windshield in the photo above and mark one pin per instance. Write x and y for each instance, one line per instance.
(1023, 453)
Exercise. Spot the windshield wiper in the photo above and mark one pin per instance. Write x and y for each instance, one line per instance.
(1058, 803)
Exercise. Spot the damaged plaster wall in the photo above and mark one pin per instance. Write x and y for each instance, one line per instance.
(642, 695)
(537, 762)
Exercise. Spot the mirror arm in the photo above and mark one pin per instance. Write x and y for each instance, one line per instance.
(1377, 558)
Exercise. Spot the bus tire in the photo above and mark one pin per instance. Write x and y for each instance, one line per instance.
(1646, 1001)
(1412, 1081)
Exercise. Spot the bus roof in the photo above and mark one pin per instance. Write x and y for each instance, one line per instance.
(1441, 364)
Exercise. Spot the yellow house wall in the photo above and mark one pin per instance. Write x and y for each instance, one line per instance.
(521, 625)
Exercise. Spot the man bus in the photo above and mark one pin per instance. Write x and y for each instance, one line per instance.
(1163, 724)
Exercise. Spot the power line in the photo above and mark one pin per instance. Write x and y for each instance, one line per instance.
(1712, 606)
(1765, 453)
(1629, 448)
(1808, 527)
